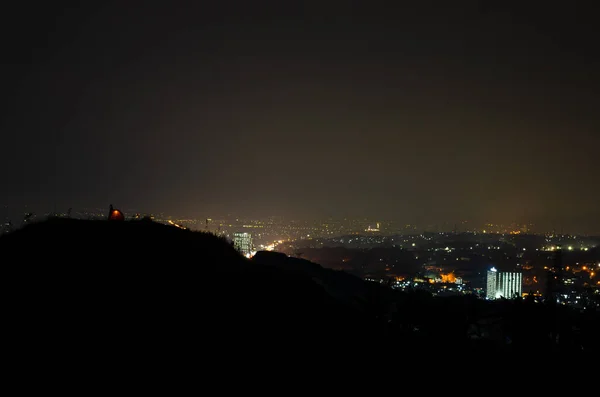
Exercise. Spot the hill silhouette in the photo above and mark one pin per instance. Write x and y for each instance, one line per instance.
(131, 285)
(146, 291)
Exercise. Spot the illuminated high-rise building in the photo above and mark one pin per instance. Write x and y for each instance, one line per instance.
(490, 291)
(243, 243)
(507, 285)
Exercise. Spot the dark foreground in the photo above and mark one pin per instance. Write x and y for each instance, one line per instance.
(141, 292)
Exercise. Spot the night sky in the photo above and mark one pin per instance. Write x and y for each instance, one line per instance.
(416, 113)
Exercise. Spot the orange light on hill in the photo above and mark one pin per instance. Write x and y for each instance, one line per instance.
(116, 215)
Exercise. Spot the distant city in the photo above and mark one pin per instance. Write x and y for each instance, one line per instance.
(268, 230)
(490, 261)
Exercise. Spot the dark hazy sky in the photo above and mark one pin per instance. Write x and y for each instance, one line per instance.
(428, 113)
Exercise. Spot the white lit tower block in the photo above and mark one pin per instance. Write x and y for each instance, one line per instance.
(243, 243)
(492, 276)
(507, 285)
(510, 285)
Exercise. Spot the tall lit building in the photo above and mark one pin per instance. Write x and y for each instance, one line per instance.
(243, 243)
(507, 285)
(490, 291)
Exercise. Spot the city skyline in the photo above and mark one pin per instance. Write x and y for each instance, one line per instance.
(417, 113)
(239, 222)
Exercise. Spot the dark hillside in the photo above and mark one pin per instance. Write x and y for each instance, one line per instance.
(100, 289)
(147, 286)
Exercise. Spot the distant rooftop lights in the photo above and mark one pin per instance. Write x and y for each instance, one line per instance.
(493, 269)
